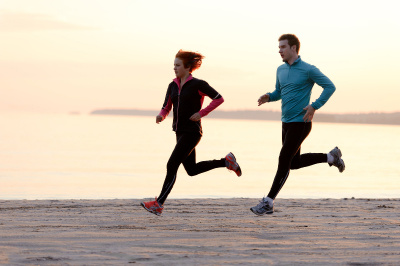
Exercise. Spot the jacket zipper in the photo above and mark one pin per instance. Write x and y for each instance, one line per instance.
(177, 109)
(179, 99)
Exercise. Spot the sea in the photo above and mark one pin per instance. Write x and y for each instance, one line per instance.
(83, 156)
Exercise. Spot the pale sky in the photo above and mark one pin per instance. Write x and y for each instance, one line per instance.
(81, 55)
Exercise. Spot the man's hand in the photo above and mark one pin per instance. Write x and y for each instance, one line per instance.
(263, 99)
(159, 119)
(195, 117)
(309, 113)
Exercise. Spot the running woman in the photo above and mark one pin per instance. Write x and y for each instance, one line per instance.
(185, 94)
(294, 81)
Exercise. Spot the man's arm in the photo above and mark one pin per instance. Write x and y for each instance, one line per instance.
(276, 94)
(273, 96)
(323, 81)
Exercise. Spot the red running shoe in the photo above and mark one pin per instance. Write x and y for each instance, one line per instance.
(153, 207)
(231, 164)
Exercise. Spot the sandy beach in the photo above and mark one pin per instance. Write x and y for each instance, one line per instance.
(200, 232)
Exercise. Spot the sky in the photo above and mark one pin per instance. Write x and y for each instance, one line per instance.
(81, 55)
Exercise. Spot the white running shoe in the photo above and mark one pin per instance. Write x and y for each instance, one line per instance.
(263, 207)
(337, 160)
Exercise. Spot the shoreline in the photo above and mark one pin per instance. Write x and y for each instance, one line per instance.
(372, 118)
(200, 231)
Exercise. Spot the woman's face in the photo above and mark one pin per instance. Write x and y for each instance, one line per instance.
(179, 68)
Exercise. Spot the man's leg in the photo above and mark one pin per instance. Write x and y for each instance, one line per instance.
(293, 135)
(307, 159)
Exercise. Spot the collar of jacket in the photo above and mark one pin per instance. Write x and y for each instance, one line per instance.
(178, 80)
(295, 62)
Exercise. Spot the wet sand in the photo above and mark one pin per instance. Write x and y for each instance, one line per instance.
(200, 232)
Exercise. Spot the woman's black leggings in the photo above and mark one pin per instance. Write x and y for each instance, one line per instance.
(185, 153)
(293, 135)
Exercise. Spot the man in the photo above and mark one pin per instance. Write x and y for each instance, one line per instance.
(294, 81)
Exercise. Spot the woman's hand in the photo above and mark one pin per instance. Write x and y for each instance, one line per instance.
(159, 119)
(195, 117)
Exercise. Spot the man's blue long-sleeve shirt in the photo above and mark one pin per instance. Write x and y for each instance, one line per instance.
(294, 84)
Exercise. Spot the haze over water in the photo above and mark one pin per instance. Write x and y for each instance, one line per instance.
(50, 156)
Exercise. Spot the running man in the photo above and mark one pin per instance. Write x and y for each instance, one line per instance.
(186, 94)
(294, 81)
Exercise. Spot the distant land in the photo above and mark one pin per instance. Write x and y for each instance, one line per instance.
(363, 118)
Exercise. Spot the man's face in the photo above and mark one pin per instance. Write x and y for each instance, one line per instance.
(286, 51)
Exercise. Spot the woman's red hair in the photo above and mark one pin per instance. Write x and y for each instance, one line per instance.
(190, 60)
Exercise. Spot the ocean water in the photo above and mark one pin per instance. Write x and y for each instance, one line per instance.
(56, 156)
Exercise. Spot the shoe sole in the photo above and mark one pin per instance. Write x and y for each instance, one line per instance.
(153, 212)
(341, 170)
(261, 214)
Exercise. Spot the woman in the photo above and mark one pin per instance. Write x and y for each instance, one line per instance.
(186, 94)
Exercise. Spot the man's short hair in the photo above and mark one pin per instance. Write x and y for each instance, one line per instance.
(292, 40)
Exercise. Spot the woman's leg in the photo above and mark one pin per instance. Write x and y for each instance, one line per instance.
(185, 144)
(193, 168)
